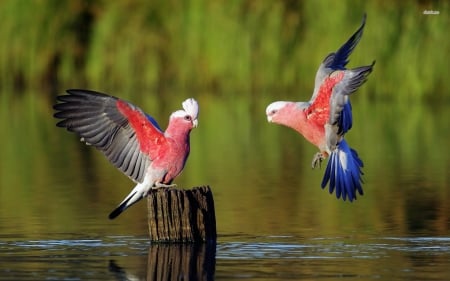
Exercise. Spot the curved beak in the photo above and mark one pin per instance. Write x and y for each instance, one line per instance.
(195, 123)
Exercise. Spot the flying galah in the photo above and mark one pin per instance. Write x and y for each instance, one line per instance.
(130, 139)
(325, 119)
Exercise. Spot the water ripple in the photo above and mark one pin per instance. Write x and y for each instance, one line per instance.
(331, 248)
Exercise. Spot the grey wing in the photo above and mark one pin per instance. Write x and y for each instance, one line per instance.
(340, 119)
(337, 60)
(96, 119)
(339, 103)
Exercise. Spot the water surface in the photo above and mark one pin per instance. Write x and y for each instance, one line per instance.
(235, 257)
(274, 221)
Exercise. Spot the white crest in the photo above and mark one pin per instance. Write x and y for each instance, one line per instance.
(191, 107)
(274, 107)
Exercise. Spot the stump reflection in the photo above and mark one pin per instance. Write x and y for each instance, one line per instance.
(181, 261)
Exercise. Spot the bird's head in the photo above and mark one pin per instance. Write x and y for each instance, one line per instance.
(188, 115)
(275, 110)
(286, 113)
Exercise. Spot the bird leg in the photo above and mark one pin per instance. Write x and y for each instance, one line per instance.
(317, 160)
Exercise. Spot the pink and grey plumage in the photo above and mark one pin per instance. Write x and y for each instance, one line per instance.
(130, 139)
(326, 118)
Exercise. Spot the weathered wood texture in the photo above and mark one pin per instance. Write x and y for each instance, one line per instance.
(176, 215)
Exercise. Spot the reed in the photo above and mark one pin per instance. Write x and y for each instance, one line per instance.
(250, 48)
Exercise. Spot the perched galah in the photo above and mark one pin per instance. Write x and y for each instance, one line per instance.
(130, 139)
(325, 119)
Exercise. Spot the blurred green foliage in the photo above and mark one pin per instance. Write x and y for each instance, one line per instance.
(246, 47)
(234, 57)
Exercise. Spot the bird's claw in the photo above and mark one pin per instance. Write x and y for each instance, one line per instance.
(317, 160)
(159, 185)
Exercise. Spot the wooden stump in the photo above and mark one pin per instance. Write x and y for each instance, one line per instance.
(176, 215)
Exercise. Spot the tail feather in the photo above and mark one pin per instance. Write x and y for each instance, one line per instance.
(343, 172)
(122, 207)
(135, 195)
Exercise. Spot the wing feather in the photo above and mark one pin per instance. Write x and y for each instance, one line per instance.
(340, 108)
(337, 60)
(96, 118)
(340, 113)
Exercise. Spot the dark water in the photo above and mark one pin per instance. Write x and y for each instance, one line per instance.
(77, 257)
(274, 221)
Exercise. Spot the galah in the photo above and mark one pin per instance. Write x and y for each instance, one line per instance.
(325, 119)
(130, 139)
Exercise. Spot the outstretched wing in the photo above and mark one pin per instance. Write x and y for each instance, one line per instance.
(337, 60)
(319, 110)
(122, 131)
(340, 107)
(333, 84)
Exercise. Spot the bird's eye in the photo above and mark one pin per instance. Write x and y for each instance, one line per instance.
(187, 118)
(273, 111)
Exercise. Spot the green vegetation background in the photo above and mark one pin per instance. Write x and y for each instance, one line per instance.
(234, 57)
(247, 47)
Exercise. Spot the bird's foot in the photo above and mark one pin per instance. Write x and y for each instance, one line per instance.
(159, 185)
(317, 160)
